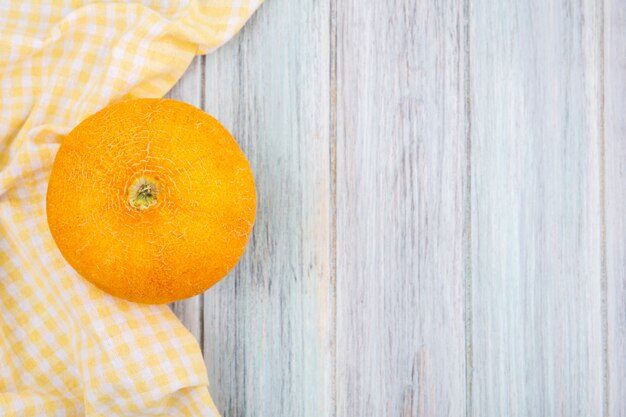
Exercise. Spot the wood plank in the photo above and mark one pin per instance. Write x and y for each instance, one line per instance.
(401, 208)
(189, 89)
(536, 213)
(269, 326)
(615, 192)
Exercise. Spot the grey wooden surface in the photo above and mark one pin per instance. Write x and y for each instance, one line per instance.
(614, 197)
(536, 302)
(441, 223)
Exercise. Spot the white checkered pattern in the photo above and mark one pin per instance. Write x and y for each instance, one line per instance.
(67, 348)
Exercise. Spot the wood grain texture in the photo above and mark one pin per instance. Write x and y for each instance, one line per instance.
(615, 195)
(441, 226)
(536, 212)
(189, 89)
(269, 326)
(401, 200)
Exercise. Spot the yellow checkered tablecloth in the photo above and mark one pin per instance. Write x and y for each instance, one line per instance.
(66, 348)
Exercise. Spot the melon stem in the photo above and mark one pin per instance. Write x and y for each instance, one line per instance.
(143, 193)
